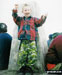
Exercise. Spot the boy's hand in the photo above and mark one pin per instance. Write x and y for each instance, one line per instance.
(43, 16)
(16, 6)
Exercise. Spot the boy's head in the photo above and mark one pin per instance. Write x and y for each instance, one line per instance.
(3, 27)
(26, 10)
(50, 36)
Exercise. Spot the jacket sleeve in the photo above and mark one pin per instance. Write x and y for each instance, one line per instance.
(51, 56)
(16, 18)
(39, 22)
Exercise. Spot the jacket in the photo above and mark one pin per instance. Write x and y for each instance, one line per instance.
(27, 27)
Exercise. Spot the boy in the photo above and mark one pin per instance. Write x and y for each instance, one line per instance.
(5, 46)
(27, 33)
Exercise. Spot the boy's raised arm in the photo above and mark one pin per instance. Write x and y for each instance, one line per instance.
(16, 18)
(39, 22)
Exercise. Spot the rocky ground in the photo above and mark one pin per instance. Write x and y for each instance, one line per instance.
(13, 72)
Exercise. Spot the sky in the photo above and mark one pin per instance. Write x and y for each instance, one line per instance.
(52, 7)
